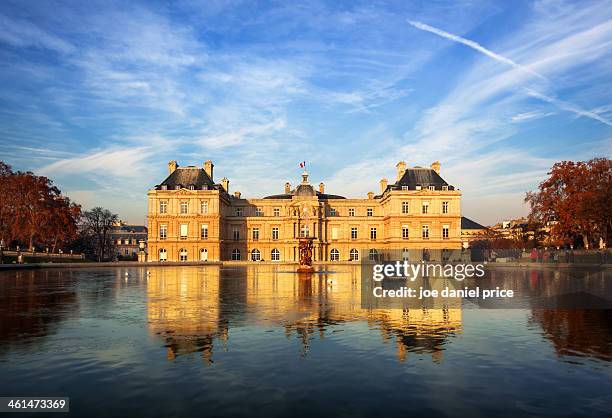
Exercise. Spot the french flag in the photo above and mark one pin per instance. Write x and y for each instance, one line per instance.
(303, 164)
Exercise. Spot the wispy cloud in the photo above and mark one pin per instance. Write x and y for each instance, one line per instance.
(476, 46)
(570, 107)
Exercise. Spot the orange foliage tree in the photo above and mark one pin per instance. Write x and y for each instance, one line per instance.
(33, 211)
(575, 201)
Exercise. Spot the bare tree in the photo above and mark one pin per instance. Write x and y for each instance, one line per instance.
(97, 225)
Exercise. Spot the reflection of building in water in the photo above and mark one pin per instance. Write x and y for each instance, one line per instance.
(575, 332)
(184, 308)
(192, 307)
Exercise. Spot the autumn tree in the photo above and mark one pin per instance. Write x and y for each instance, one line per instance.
(33, 211)
(97, 225)
(575, 201)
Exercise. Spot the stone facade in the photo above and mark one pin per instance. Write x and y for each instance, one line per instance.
(192, 218)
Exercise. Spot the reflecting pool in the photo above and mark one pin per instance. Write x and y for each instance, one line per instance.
(257, 340)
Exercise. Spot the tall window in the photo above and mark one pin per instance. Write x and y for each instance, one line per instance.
(203, 207)
(275, 255)
(405, 254)
(425, 232)
(445, 230)
(354, 255)
(351, 212)
(304, 232)
(372, 233)
(238, 212)
(334, 255)
(405, 207)
(184, 228)
(334, 232)
(236, 254)
(163, 231)
(275, 233)
(258, 212)
(163, 206)
(373, 255)
(184, 207)
(255, 234)
(236, 233)
(182, 254)
(425, 207)
(444, 207)
(204, 232)
(405, 232)
(255, 255)
(163, 254)
(370, 212)
(354, 232)
(276, 211)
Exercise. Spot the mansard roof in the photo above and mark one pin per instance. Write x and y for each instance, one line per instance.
(302, 192)
(305, 189)
(421, 176)
(188, 176)
(467, 223)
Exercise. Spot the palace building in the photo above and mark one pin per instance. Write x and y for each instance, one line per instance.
(193, 218)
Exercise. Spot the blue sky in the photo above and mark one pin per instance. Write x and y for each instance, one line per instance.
(99, 96)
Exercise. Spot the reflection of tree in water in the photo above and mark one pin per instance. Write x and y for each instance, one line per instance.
(576, 332)
(32, 304)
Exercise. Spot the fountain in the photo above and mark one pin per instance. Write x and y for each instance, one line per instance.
(305, 253)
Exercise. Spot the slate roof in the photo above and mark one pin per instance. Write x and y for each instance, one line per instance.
(188, 176)
(467, 223)
(420, 176)
(305, 190)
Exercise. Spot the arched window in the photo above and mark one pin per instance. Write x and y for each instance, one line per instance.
(203, 254)
(373, 256)
(354, 255)
(236, 254)
(334, 255)
(182, 254)
(163, 254)
(275, 255)
(255, 255)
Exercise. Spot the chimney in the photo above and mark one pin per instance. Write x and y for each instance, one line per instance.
(435, 166)
(208, 167)
(225, 184)
(172, 166)
(401, 169)
(237, 194)
(383, 185)
(287, 188)
(370, 195)
(321, 187)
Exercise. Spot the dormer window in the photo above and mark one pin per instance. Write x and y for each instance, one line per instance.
(432, 188)
(177, 187)
(191, 187)
(418, 187)
(404, 187)
(445, 188)
(238, 212)
(164, 187)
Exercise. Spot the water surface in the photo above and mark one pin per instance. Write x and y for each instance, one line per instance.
(210, 341)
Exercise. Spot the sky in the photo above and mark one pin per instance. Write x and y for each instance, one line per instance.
(99, 96)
